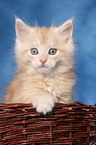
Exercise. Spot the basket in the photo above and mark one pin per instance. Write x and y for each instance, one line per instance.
(68, 124)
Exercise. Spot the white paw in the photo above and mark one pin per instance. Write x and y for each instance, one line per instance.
(43, 104)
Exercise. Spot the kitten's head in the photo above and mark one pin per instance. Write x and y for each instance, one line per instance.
(44, 49)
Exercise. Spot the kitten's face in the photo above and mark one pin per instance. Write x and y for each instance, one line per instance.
(43, 49)
(43, 52)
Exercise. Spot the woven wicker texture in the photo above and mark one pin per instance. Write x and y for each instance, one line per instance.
(71, 124)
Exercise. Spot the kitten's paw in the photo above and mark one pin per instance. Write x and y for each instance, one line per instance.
(43, 104)
(44, 108)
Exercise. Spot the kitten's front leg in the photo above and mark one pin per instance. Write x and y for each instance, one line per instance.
(44, 103)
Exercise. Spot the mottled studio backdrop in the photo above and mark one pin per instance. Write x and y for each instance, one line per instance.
(48, 12)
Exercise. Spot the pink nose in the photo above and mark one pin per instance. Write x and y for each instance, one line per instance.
(43, 61)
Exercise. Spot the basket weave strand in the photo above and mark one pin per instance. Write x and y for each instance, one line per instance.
(70, 124)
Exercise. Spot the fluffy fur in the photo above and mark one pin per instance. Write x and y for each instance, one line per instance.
(47, 83)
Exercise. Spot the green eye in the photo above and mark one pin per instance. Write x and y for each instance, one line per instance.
(34, 51)
(52, 51)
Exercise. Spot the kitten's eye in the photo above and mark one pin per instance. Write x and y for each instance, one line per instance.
(52, 51)
(34, 51)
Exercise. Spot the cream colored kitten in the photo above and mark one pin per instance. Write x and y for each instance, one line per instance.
(45, 66)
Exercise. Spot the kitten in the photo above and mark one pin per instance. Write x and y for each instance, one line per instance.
(45, 66)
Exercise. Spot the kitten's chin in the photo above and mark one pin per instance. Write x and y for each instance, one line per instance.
(44, 70)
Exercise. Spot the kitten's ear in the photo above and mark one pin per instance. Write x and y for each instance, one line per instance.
(20, 27)
(66, 29)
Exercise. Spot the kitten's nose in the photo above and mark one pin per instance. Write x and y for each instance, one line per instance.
(43, 61)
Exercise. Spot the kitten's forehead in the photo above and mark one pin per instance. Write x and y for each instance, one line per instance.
(44, 35)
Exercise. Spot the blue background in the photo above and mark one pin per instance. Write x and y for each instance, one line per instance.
(48, 12)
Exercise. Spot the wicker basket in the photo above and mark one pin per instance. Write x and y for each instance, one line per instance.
(70, 124)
